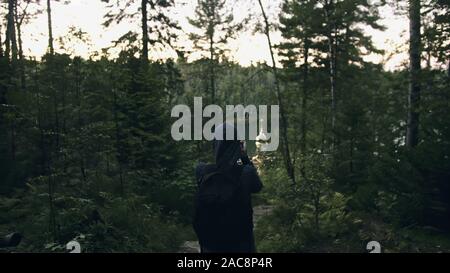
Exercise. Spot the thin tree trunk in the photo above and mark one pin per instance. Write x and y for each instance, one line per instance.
(332, 67)
(305, 97)
(11, 42)
(212, 76)
(303, 143)
(56, 125)
(212, 61)
(285, 143)
(145, 40)
(50, 28)
(412, 132)
(7, 39)
(19, 22)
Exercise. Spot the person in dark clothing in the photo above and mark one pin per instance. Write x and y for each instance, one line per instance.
(231, 159)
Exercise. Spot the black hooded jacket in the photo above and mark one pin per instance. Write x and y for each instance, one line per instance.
(227, 154)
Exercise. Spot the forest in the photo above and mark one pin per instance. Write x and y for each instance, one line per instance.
(86, 151)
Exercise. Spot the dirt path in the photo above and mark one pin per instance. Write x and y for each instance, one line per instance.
(258, 213)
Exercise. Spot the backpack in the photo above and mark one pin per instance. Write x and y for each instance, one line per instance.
(217, 208)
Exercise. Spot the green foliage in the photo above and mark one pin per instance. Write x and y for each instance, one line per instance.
(308, 213)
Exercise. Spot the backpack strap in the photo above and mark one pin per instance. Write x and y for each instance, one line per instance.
(228, 175)
(207, 176)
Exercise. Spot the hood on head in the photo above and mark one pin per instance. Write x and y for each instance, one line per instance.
(226, 152)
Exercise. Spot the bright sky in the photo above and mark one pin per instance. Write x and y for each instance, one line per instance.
(246, 49)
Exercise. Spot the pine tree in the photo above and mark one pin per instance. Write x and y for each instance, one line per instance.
(156, 25)
(300, 24)
(217, 26)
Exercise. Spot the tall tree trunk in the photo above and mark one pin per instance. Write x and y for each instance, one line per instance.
(305, 96)
(11, 42)
(412, 132)
(332, 65)
(212, 73)
(303, 143)
(20, 43)
(50, 28)
(285, 143)
(18, 22)
(144, 31)
(212, 76)
(7, 41)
